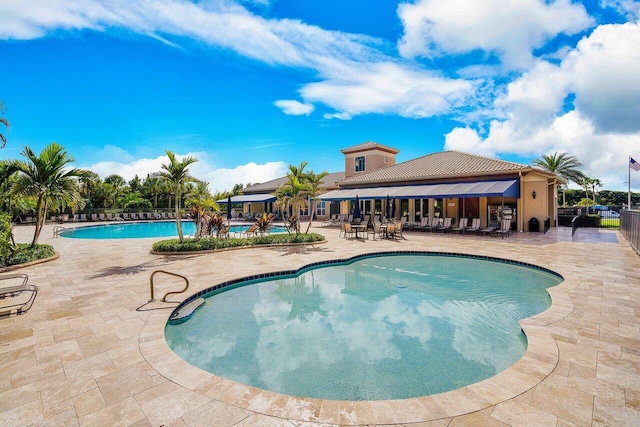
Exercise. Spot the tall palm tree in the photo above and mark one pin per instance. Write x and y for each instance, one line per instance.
(5, 122)
(314, 187)
(118, 187)
(176, 173)
(562, 164)
(594, 183)
(7, 169)
(47, 178)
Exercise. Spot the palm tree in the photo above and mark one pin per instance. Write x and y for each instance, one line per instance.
(292, 192)
(199, 198)
(117, 186)
(5, 122)
(176, 173)
(7, 169)
(594, 183)
(562, 164)
(314, 187)
(47, 178)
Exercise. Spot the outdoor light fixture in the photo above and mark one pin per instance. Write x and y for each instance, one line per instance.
(533, 194)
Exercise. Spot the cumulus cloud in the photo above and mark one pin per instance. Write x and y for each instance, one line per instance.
(294, 108)
(219, 179)
(510, 30)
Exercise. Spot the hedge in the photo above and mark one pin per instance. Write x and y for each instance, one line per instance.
(213, 243)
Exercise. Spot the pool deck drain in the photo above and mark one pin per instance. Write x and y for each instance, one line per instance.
(83, 356)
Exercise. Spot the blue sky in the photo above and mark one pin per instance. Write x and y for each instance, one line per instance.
(249, 87)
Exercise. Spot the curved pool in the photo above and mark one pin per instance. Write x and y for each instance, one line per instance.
(141, 229)
(375, 327)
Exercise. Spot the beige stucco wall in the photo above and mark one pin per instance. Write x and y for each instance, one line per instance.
(374, 159)
(538, 207)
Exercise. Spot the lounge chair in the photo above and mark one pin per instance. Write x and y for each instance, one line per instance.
(489, 229)
(109, 217)
(251, 231)
(134, 216)
(12, 286)
(505, 228)
(223, 232)
(83, 217)
(102, 217)
(446, 225)
(435, 223)
(462, 225)
(475, 226)
(94, 217)
(125, 216)
(76, 218)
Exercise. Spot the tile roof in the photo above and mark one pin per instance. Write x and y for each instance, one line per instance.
(369, 146)
(329, 182)
(445, 164)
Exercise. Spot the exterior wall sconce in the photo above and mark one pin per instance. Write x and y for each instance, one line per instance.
(533, 194)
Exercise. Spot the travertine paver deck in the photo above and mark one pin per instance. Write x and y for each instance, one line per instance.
(83, 355)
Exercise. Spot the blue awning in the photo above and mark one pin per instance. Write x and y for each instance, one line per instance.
(507, 188)
(250, 198)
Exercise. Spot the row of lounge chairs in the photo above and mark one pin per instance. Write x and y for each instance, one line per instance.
(503, 229)
(125, 216)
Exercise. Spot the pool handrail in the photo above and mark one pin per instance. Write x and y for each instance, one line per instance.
(164, 298)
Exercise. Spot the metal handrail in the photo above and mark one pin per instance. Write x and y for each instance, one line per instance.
(57, 230)
(574, 224)
(164, 298)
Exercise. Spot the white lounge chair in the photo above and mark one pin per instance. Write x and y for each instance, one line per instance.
(13, 286)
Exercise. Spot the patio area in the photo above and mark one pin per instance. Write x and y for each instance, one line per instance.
(83, 355)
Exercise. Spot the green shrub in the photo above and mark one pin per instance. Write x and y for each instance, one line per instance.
(5, 237)
(25, 253)
(207, 244)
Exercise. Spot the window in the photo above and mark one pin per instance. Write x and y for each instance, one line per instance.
(386, 160)
(360, 166)
(321, 208)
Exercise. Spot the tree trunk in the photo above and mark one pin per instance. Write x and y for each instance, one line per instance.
(311, 212)
(178, 219)
(41, 215)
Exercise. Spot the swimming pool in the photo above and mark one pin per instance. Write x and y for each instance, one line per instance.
(133, 230)
(383, 326)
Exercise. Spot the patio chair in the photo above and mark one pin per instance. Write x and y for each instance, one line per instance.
(375, 230)
(125, 216)
(390, 232)
(83, 217)
(398, 230)
(11, 287)
(446, 225)
(102, 217)
(462, 225)
(475, 226)
(348, 231)
(134, 216)
(342, 228)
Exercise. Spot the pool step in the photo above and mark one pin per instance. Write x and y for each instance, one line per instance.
(187, 309)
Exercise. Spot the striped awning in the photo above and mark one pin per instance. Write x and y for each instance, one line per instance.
(250, 198)
(507, 188)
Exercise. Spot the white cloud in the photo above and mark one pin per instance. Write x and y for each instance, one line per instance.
(294, 108)
(219, 179)
(355, 77)
(603, 75)
(510, 30)
(387, 88)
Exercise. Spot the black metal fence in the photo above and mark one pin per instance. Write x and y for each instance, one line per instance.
(630, 228)
(599, 218)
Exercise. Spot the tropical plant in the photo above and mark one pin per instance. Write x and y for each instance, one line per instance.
(5, 122)
(7, 245)
(199, 199)
(314, 188)
(263, 223)
(47, 178)
(215, 222)
(176, 173)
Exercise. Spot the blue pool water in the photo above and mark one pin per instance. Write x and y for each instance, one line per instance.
(382, 327)
(132, 230)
